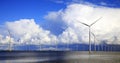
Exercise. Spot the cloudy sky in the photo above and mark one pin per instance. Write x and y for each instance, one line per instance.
(54, 22)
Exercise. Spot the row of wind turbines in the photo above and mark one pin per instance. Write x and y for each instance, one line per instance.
(90, 33)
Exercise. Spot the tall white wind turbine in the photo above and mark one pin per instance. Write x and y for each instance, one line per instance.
(89, 26)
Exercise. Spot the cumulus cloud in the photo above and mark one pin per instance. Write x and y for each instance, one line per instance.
(68, 36)
(26, 31)
(105, 29)
(54, 16)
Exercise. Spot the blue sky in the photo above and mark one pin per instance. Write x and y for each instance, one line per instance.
(19, 9)
(55, 20)
(22, 9)
(28, 9)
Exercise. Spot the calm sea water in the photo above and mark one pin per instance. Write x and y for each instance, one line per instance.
(58, 57)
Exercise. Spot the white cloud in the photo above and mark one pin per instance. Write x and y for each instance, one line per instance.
(105, 29)
(23, 26)
(28, 32)
(68, 36)
(54, 16)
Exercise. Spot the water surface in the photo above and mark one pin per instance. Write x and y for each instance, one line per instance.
(58, 57)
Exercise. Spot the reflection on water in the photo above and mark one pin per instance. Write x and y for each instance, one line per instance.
(58, 57)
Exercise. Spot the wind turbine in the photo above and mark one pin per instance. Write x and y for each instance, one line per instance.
(94, 41)
(89, 26)
(10, 43)
(9, 34)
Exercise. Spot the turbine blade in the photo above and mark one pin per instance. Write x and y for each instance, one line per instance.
(95, 21)
(84, 23)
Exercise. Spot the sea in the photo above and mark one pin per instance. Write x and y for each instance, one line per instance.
(59, 57)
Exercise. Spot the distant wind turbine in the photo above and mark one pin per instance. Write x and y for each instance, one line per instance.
(9, 34)
(89, 26)
(94, 41)
(10, 43)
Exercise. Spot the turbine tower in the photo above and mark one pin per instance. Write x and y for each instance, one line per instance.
(94, 41)
(89, 26)
(10, 43)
